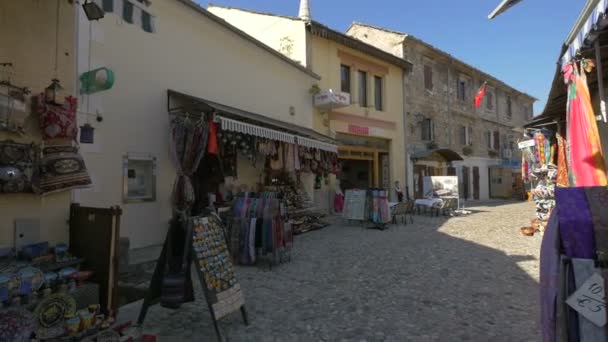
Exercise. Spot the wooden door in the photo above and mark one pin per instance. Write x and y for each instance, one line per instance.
(419, 173)
(465, 182)
(94, 236)
(475, 182)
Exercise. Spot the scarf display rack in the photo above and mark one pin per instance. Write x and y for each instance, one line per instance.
(259, 228)
(369, 205)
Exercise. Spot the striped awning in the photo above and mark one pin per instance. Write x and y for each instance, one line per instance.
(317, 144)
(587, 34)
(258, 131)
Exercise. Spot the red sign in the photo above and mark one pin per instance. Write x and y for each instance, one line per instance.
(359, 130)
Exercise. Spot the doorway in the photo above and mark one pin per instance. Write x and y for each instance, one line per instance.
(475, 182)
(466, 185)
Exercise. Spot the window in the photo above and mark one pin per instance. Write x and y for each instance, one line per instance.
(489, 143)
(127, 12)
(427, 132)
(345, 78)
(462, 90)
(465, 135)
(509, 107)
(496, 140)
(362, 88)
(490, 100)
(378, 92)
(428, 77)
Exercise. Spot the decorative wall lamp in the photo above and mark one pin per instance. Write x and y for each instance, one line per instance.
(418, 119)
(92, 10)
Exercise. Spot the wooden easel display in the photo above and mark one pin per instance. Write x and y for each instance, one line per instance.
(214, 267)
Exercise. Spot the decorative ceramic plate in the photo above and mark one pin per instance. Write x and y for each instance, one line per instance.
(33, 274)
(50, 313)
(16, 325)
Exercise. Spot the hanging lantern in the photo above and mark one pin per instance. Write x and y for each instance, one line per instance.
(52, 91)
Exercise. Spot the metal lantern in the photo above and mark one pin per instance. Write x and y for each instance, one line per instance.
(51, 92)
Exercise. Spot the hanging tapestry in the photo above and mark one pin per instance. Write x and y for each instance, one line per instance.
(57, 121)
(586, 160)
(562, 164)
(63, 169)
(18, 167)
(188, 144)
(14, 110)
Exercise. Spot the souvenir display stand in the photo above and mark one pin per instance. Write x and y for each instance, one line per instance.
(540, 171)
(206, 246)
(367, 206)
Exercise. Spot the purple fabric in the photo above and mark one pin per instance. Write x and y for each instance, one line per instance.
(575, 223)
(549, 277)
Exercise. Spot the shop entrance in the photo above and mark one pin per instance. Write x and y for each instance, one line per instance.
(363, 167)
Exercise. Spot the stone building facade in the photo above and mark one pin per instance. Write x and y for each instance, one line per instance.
(440, 116)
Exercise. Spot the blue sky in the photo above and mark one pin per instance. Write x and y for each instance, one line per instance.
(519, 47)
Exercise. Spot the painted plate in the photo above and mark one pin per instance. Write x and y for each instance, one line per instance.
(50, 313)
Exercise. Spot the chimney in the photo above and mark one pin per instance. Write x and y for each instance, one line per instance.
(304, 12)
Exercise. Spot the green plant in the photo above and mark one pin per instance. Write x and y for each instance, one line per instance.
(467, 150)
(314, 89)
(431, 145)
(492, 153)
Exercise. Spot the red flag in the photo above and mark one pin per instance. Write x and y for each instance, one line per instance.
(480, 94)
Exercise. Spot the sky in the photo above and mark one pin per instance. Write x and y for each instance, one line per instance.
(520, 47)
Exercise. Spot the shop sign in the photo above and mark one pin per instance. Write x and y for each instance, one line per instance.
(359, 130)
(527, 143)
(332, 99)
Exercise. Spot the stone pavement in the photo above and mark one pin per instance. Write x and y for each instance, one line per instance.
(470, 278)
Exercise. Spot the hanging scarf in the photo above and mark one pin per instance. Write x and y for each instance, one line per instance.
(586, 159)
(562, 164)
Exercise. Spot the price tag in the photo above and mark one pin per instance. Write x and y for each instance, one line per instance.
(527, 143)
(590, 300)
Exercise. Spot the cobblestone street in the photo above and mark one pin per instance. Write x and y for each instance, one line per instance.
(472, 278)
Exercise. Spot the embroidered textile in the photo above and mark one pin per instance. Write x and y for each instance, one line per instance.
(562, 164)
(18, 167)
(57, 121)
(62, 169)
(575, 223)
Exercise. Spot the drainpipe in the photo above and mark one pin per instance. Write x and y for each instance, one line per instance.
(405, 145)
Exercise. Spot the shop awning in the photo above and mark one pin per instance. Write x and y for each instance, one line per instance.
(447, 154)
(263, 132)
(238, 120)
(585, 32)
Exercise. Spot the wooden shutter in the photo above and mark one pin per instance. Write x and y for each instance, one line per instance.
(496, 140)
(470, 135)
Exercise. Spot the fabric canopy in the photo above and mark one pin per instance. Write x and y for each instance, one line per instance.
(262, 132)
(317, 144)
(587, 33)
